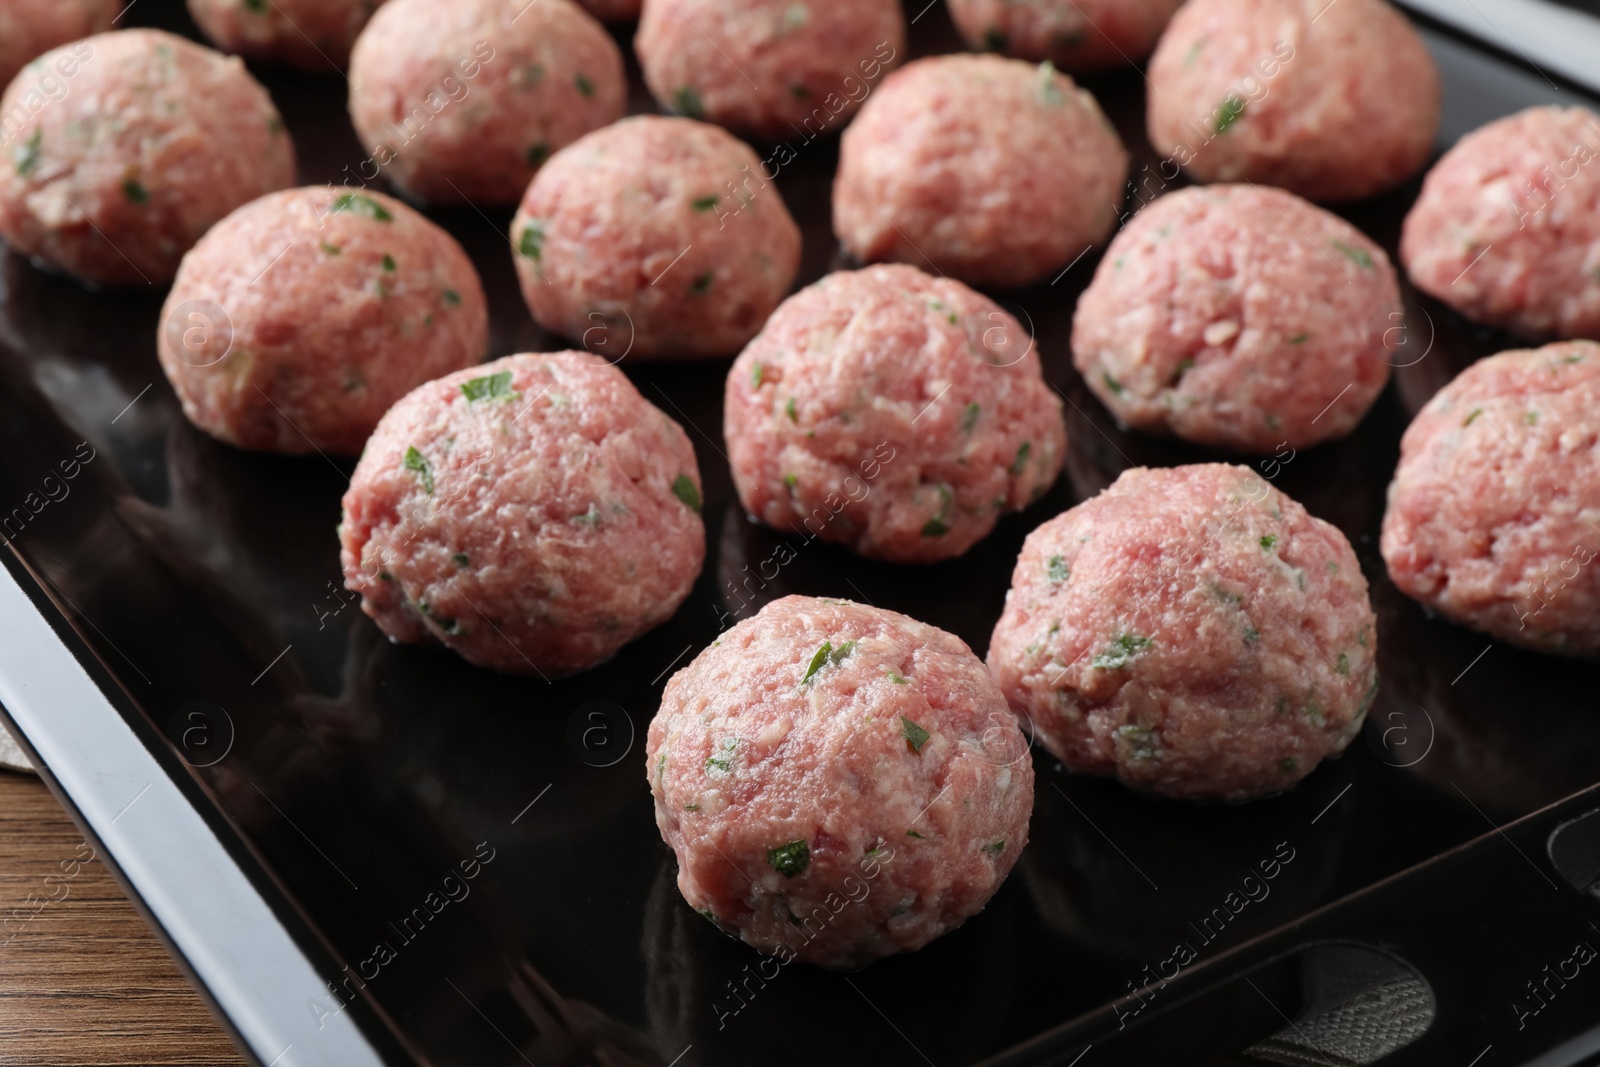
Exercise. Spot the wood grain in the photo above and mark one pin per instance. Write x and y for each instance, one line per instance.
(83, 980)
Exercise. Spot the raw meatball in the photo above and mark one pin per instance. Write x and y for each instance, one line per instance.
(28, 28)
(154, 140)
(299, 319)
(1191, 631)
(991, 170)
(655, 237)
(315, 34)
(1334, 101)
(892, 412)
(839, 782)
(1494, 512)
(534, 514)
(1240, 317)
(1078, 35)
(1506, 230)
(770, 69)
(465, 100)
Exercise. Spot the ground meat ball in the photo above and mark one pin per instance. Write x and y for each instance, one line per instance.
(991, 170)
(465, 100)
(1507, 231)
(771, 69)
(28, 28)
(655, 237)
(1494, 512)
(1192, 631)
(1240, 317)
(1077, 35)
(534, 514)
(1334, 101)
(154, 140)
(299, 319)
(839, 782)
(892, 412)
(315, 34)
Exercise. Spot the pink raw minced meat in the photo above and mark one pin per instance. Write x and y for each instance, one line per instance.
(1191, 631)
(1331, 100)
(839, 782)
(770, 69)
(1507, 229)
(154, 140)
(314, 34)
(534, 515)
(29, 28)
(991, 170)
(465, 100)
(1240, 317)
(655, 237)
(1077, 35)
(893, 412)
(1494, 512)
(299, 319)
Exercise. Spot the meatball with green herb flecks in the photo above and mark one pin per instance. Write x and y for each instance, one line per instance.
(655, 237)
(463, 101)
(534, 515)
(775, 70)
(1330, 99)
(839, 782)
(1192, 632)
(990, 170)
(1239, 317)
(1077, 35)
(1494, 511)
(148, 141)
(314, 34)
(892, 412)
(1506, 229)
(300, 318)
(29, 28)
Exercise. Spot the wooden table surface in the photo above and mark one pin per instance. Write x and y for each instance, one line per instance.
(83, 980)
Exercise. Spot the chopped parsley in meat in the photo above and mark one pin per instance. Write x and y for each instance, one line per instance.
(489, 387)
(791, 859)
(683, 488)
(826, 656)
(916, 736)
(1119, 652)
(416, 461)
(360, 204)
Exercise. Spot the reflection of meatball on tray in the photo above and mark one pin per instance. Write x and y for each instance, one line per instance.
(745, 531)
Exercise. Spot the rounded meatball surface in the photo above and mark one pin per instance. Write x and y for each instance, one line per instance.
(770, 69)
(987, 169)
(465, 100)
(299, 319)
(839, 782)
(892, 412)
(1190, 631)
(655, 237)
(534, 515)
(1333, 101)
(1494, 512)
(1239, 317)
(29, 28)
(154, 141)
(1506, 230)
(1077, 35)
(314, 34)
